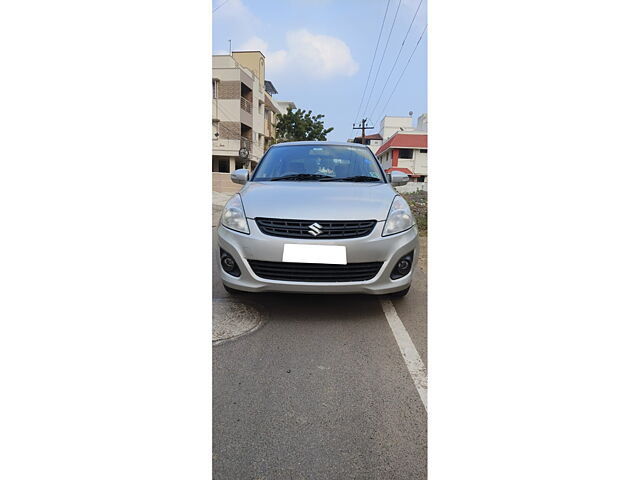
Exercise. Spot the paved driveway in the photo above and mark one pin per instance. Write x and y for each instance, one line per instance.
(320, 389)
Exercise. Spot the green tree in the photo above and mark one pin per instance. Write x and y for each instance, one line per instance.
(300, 125)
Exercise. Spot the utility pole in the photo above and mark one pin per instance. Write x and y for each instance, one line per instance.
(362, 127)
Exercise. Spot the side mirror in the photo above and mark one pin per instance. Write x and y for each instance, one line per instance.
(240, 176)
(398, 178)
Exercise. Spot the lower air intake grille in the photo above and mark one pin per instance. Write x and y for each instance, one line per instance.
(315, 272)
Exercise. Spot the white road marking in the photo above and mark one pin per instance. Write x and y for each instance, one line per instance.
(411, 357)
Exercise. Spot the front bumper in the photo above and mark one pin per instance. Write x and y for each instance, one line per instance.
(372, 248)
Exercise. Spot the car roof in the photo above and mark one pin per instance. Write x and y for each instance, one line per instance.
(346, 144)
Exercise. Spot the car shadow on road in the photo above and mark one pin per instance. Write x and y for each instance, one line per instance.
(311, 307)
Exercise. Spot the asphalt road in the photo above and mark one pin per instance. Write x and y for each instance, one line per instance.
(320, 390)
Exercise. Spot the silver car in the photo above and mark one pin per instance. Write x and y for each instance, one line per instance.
(317, 217)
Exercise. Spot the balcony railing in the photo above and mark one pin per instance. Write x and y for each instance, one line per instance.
(246, 105)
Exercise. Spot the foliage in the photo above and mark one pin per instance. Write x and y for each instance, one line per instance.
(300, 125)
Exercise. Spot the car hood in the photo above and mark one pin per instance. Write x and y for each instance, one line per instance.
(317, 200)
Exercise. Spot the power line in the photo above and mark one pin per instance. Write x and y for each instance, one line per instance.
(396, 60)
(220, 5)
(373, 59)
(383, 54)
(404, 69)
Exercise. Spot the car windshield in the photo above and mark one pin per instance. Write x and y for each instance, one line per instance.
(320, 162)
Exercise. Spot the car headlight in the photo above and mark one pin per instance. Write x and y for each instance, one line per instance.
(400, 217)
(233, 216)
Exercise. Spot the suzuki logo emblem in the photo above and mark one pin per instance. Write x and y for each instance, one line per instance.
(315, 229)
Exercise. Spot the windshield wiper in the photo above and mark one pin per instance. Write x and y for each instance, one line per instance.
(301, 177)
(356, 178)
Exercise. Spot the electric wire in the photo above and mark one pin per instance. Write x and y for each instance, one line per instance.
(404, 69)
(226, 1)
(364, 92)
(383, 54)
(373, 110)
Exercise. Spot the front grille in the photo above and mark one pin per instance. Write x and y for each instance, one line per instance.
(279, 227)
(315, 272)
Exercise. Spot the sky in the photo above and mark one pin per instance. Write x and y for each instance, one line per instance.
(319, 54)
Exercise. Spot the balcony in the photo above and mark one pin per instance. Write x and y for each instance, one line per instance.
(246, 105)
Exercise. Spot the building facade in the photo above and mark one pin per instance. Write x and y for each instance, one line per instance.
(405, 152)
(235, 111)
(390, 125)
(400, 146)
(243, 110)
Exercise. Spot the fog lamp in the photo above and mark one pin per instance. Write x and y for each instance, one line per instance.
(403, 267)
(229, 265)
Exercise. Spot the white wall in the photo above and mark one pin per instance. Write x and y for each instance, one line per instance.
(386, 159)
(391, 125)
(420, 167)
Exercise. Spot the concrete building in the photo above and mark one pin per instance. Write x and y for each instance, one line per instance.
(401, 146)
(283, 105)
(405, 152)
(243, 111)
(390, 125)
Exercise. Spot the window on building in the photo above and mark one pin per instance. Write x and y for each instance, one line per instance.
(405, 153)
(423, 150)
(223, 165)
(215, 89)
